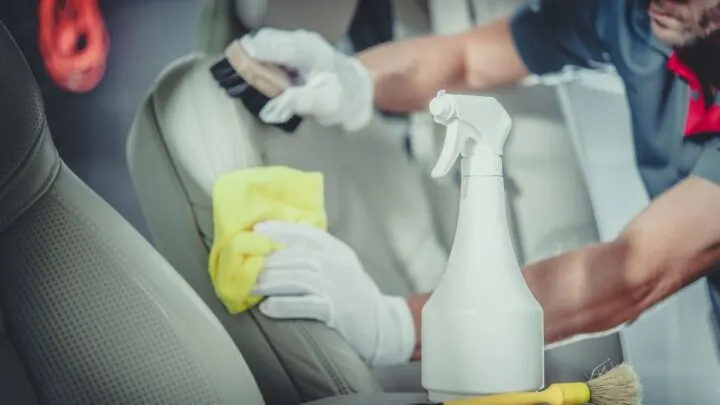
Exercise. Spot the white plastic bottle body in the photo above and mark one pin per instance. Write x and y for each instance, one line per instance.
(482, 327)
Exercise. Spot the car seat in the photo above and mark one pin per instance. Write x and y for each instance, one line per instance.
(188, 132)
(91, 313)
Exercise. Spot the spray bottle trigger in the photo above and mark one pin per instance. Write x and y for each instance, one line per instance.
(450, 151)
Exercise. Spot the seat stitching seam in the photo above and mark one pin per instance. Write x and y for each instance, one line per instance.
(42, 189)
(329, 365)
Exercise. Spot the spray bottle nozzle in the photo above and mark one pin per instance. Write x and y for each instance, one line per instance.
(473, 123)
(442, 108)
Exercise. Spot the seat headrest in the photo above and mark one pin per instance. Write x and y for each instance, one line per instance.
(22, 115)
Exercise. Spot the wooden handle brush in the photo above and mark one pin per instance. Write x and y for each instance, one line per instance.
(253, 82)
(617, 386)
(267, 79)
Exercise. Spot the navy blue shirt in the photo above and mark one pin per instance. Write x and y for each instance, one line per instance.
(674, 136)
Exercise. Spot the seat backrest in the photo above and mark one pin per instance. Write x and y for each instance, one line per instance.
(90, 310)
(188, 132)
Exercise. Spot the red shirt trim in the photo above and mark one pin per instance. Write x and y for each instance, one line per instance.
(701, 119)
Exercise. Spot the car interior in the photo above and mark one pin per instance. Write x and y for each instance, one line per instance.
(93, 311)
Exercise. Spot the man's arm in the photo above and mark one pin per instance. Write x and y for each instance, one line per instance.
(408, 74)
(540, 38)
(668, 246)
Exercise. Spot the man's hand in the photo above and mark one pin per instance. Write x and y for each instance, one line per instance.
(316, 276)
(335, 89)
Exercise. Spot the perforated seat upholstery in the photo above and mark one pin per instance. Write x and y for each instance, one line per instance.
(91, 313)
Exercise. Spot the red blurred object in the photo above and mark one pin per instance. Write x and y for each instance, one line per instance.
(74, 43)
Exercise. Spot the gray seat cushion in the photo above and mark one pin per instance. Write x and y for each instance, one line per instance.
(92, 312)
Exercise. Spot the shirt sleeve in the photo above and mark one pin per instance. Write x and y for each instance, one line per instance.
(708, 165)
(552, 34)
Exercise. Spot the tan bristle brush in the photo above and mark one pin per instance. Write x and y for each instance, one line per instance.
(607, 386)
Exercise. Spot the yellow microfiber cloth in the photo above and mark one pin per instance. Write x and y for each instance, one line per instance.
(244, 198)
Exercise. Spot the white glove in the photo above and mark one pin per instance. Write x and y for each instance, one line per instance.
(335, 89)
(316, 276)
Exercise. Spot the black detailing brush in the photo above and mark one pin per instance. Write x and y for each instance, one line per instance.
(252, 82)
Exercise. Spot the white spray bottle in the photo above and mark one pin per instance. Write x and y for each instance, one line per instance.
(482, 328)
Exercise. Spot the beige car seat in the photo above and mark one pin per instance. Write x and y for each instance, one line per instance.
(188, 132)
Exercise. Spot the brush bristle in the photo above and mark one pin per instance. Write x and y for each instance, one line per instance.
(222, 69)
(236, 87)
(615, 386)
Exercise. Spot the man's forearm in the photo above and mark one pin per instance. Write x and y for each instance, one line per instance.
(407, 74)
(584, 291)
(668, 246)
(588, 290)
